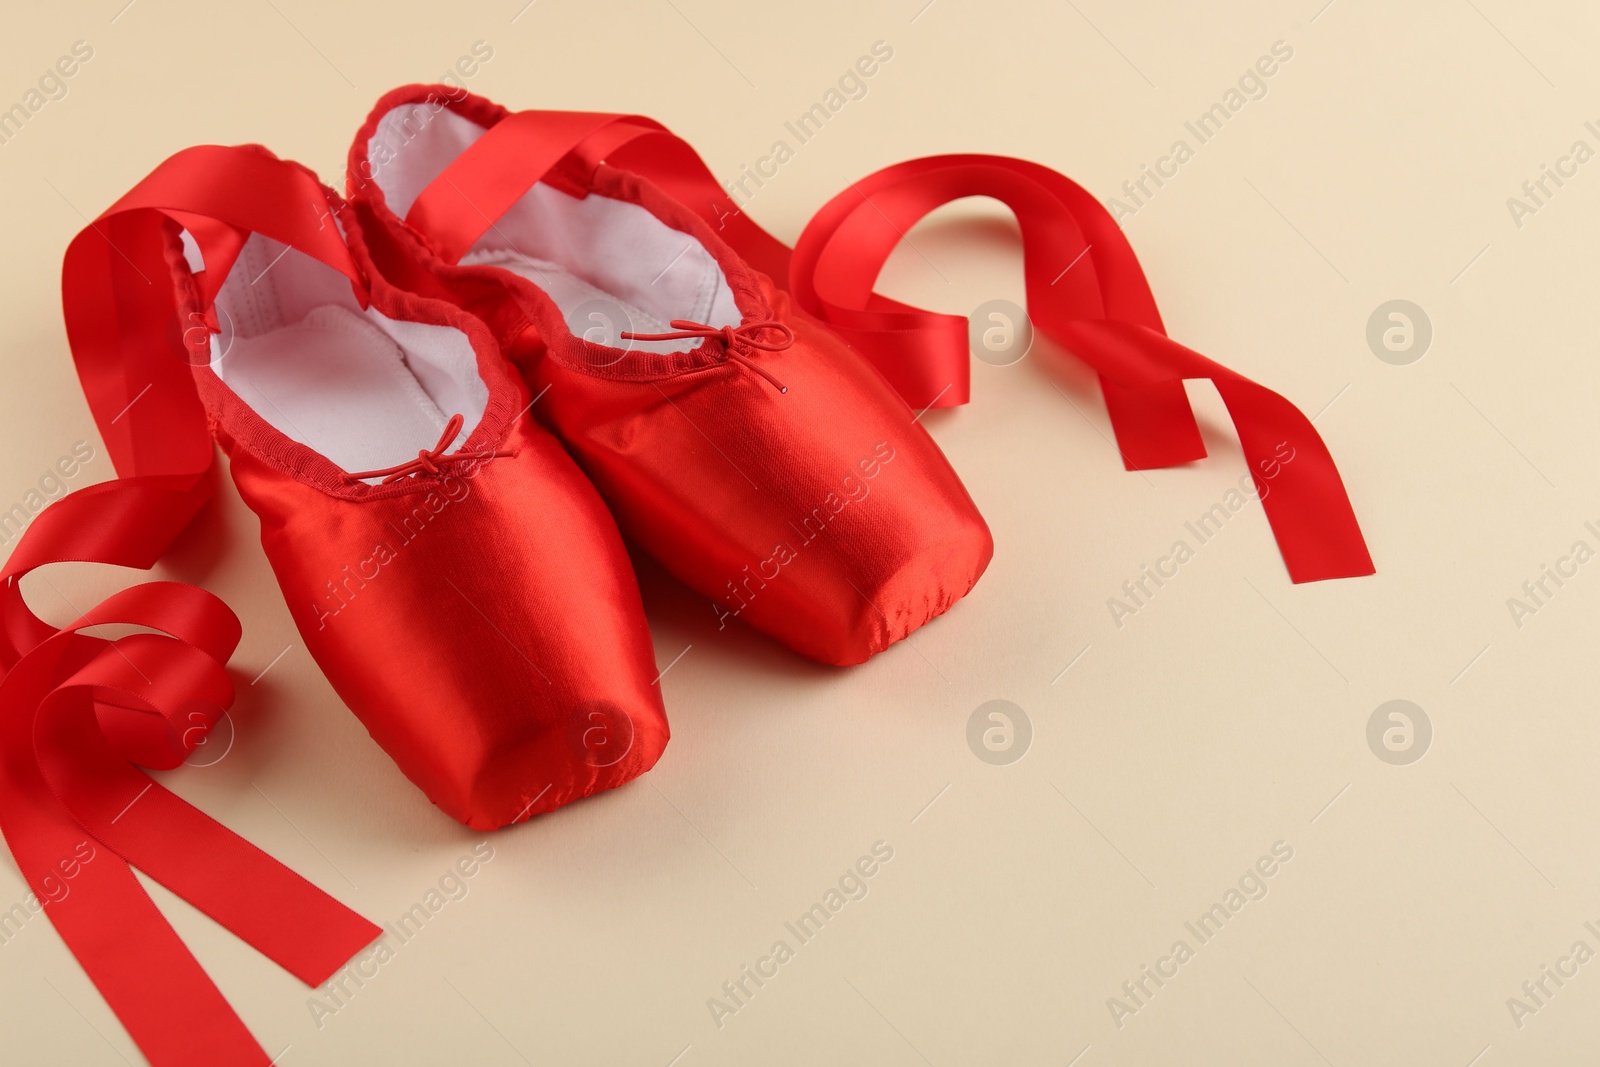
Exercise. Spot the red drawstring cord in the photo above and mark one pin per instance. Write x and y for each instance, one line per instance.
(733, 338)
(428, 459)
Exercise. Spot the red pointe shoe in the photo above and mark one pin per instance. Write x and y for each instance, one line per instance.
(734, 438)
(449, 567)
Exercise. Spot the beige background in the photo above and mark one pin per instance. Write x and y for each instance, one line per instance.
(1229, 714)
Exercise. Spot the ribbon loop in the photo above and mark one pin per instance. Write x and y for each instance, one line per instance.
(77, 711)
(1084, 286)
(1087, 292)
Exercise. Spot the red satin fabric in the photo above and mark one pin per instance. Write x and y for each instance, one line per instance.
(479, 615)
(1101, 309)
(483, 623)
(786, 482)
(476, 733)
(76, 709)
(823, 516)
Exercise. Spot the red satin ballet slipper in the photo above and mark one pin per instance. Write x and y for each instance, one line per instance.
(448, 566)
(735, 439)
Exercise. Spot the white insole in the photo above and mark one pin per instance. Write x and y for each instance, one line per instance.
(366, 391)
(337, 383)
(576, 248)
(589, 309)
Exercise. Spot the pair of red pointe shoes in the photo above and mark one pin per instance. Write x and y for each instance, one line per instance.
(443, 398)
(735, 439)
(436, 444)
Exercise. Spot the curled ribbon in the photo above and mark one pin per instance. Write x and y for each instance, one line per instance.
(77, 711)
(1085, 290)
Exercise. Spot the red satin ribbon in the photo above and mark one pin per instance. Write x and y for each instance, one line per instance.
(1086, 291)
(1084, 285)
(76, 711)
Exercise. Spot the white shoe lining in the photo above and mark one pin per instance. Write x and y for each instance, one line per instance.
(364, 390)
(576, 249)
